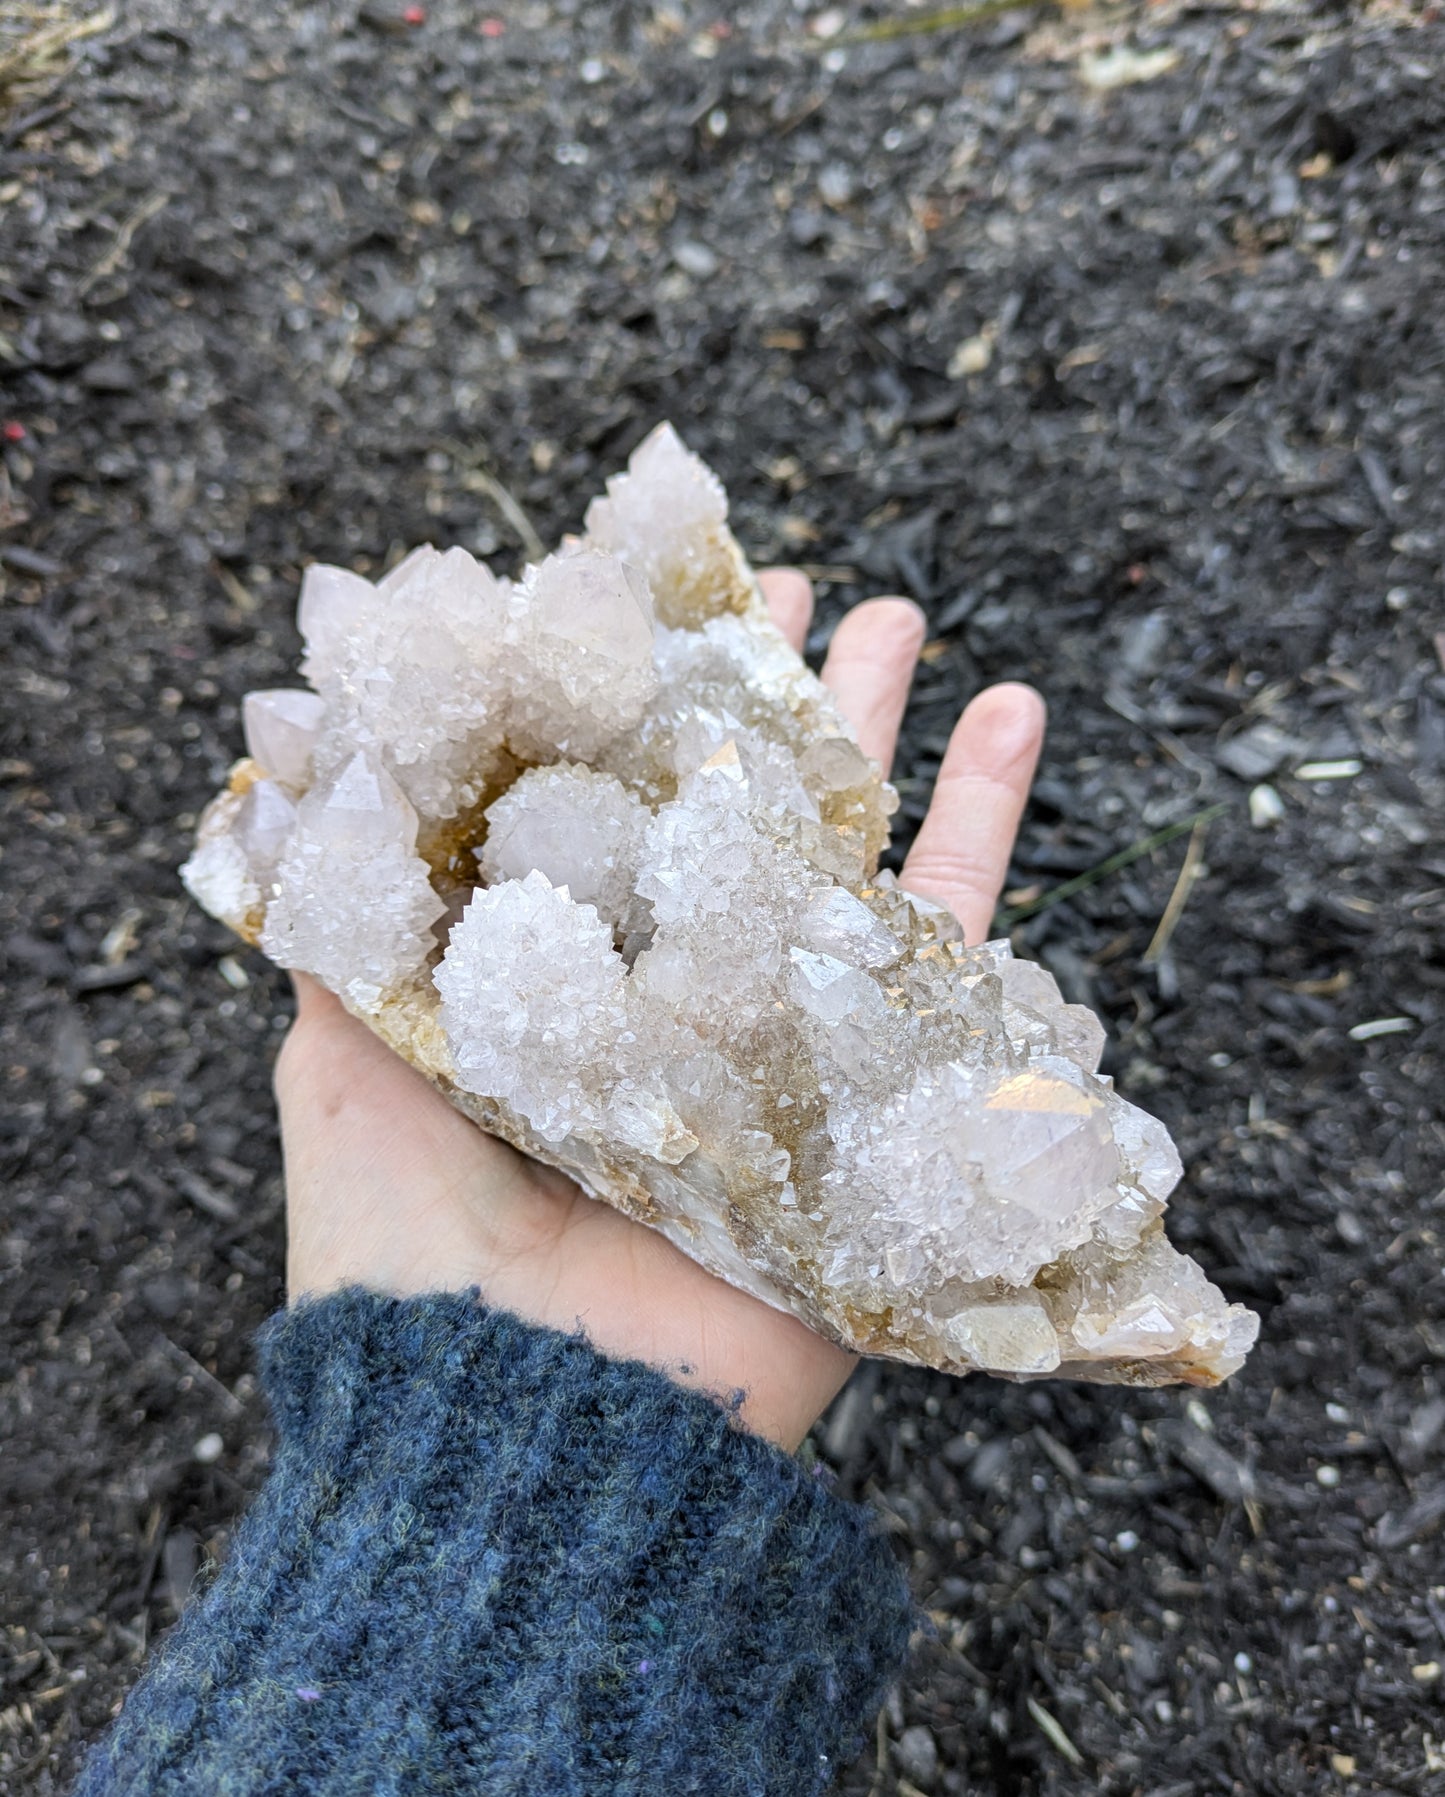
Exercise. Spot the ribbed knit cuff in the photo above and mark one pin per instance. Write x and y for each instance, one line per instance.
(489, 1559)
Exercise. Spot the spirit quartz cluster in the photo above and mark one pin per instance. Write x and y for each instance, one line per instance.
(598, 854)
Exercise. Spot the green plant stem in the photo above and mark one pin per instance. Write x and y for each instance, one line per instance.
(1006, 919)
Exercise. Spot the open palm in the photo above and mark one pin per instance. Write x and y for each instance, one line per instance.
(390, 1188)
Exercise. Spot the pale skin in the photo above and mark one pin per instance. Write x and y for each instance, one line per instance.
(389, 1188)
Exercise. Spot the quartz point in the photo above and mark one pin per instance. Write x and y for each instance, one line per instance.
(281, 730)
(597, 853)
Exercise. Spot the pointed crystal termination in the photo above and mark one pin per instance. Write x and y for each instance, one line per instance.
(582, 624)
(354, 839)
(667, 517)
(414, 669)
(598, 854)
(281, 731)
(242, 835)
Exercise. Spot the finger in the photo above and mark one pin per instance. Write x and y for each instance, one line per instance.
(789, 594)
(870, 668)
(962, 852)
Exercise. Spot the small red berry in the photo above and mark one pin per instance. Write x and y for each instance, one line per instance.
(13, 431)
(415, 15)
(492, 27)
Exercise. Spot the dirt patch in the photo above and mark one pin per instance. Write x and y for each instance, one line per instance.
(1139, 389)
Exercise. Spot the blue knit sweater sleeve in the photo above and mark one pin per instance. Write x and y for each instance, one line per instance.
(488, 1559)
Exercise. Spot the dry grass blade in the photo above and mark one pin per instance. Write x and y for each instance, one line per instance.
(1114, 864)
(479, 481)
(120, 249)
(40, 58)
(1189, 872)
(476, 479)
(950, 18)
(1054, 1730)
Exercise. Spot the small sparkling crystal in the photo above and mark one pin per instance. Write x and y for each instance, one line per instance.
(598, 854)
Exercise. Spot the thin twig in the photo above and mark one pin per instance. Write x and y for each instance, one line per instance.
(189, 1364)
(1115, 863)
(480, 481)
(951, 18)
(118, 251)
(236, 589)
(1189, 872)
(476, 480)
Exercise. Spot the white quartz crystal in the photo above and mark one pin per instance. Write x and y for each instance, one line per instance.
(354, 837)
(281, 731)
(597, 853)
(667, 518)
(581, 631)
(410, 670)
(534, 1001)
(583, 830)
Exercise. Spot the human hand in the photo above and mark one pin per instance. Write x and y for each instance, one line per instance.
(389, 1187)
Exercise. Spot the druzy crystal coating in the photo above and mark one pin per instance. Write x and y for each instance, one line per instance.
(598, 854)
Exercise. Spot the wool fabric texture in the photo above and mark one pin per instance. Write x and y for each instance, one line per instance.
(489, 1559)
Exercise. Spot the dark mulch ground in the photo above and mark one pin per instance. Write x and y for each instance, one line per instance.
(1141, 392)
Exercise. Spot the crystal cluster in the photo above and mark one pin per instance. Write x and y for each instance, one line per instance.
(598, 854)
